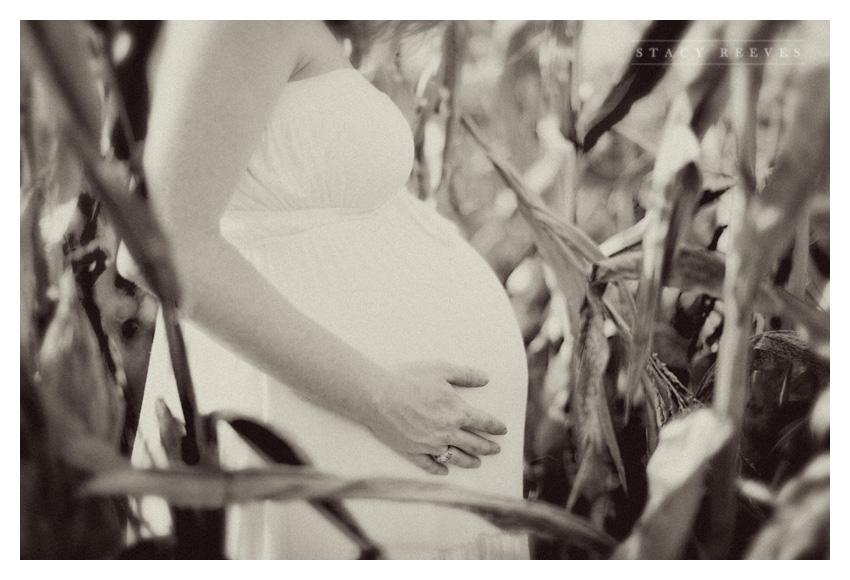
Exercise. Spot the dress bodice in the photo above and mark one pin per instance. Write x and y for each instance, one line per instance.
(332, 141)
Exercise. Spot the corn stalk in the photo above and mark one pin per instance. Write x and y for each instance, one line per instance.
(761, 230)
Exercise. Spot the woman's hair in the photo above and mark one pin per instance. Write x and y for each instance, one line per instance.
(366, 32)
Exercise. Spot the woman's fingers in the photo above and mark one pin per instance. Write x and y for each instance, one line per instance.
(461, 458)
(481, 421)
(469, 377)
(474, 444)
(427, 463)
(463, 376)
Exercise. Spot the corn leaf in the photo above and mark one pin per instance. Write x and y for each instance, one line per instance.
(597, 439)
(57, 51)
(624, 239)
(171, 432)
(203, 487)
(565, 247)
(73, 373)
(35, 305)
(692, 269)
(799, 527)
(676, 187)
(454, 52)
(811, 321)
(677, 473)
(277, 449)
(703, 271)
(637, 81)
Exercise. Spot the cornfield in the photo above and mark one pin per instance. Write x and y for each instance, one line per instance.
(661, 224)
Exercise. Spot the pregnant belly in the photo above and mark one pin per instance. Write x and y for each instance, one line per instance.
(400, 285)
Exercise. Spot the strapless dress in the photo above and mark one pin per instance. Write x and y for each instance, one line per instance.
(323, 213)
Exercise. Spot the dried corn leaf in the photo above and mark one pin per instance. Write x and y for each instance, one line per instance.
(579, 242)
(798, 173)
(597, 441)
(212, 488)
(566, 248)
(677, 472)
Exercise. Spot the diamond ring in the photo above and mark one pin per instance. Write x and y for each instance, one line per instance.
(444, 457)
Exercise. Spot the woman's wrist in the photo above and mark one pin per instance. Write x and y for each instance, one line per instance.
(371, 403)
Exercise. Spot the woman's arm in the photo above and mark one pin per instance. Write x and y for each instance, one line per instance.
(214, 89)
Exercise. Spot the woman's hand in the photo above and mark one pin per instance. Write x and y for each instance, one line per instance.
(419, 415)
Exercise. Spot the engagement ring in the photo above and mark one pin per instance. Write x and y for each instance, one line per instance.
(444, 457)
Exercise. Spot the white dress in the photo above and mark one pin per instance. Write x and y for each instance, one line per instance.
(323, 213)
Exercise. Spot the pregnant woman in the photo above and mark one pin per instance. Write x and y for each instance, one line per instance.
(321, 297)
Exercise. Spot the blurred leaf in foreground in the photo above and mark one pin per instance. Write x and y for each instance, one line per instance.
(799, 527)
(677, 472)
(213, 488)
(275, 448)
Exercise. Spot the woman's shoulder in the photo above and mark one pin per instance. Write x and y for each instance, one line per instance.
(242, 34)
(292, 47)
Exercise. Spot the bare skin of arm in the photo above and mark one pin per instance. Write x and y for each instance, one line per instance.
(215, 87)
